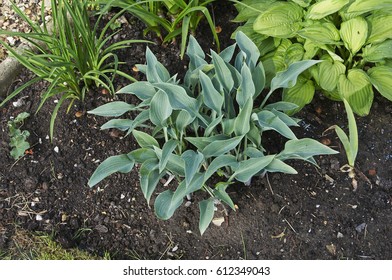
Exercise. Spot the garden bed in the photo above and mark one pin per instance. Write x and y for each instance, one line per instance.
(317, 214)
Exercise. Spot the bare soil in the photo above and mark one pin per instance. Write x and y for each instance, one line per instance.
(317, 214)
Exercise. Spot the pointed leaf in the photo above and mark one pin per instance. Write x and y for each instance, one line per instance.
(193, 161)
(212, 98)
(321, 33)
(142, 154)
(122, 163)
(164, 206)
(149, 178)
(145, 140)
(112, 109)
(364, 6)
(143, 90)
(378, 52)
(183, 120)
(167, 150)
(219, 162)
(206, 214)
(269, 121)
(379, 31)
(248, 168)
(325, 8)
(242, 121)
(249, 48)
(304, 149)
(220, 192)
(246, 90)
(222, 72)
(221, 147)
(276, 165)
(160, 109)
(201, 142)
(121, 124)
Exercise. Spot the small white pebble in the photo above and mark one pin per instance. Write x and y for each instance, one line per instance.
(75, 165)
(47, 137)
(40, 140)
(56, 101)
(122, 196)
(318, 206)
(188, 203)
(340, 235)
(38, 217)
(56, 149)
(175, 248)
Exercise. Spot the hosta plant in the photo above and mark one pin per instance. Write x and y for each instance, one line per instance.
(18, 137)
(352, 37)
(209, 124)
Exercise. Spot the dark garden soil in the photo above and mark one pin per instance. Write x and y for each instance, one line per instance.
(317, 214)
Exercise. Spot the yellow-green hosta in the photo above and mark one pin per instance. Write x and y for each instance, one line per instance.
(353, 38)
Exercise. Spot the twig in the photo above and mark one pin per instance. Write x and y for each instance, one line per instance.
(290, 226)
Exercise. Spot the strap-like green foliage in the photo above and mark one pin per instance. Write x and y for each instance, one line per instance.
(211, 124)
(352, 37)
(18, 137)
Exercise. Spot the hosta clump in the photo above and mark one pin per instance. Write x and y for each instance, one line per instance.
(354, 38)
(210, 124)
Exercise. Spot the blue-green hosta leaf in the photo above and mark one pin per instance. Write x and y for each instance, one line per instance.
(378, 52)
(227, 54)
(160, 109)
(280, 20)
(281, 106)
(221, 147)
(242, 121)
(206, 214)
(246, 90)
(222, 72)
(381, 78)
(121, 124)
(149, 177)
(254, 134)
(220, 192)
(164, 206)
(201, 142)
(143, 90)
(183, 120)
(288, 78)
(329, 72)
(364, 6)
(269, 121)
(249, 48)
(354, 33)
(143, 117)
(175, 164)
(212, 126)
(167, 150)
(248, 168)
(228, 126)
(195, 53)
(183, 189)
(219, 162)
(212, 98)
(304, 149)
(179, 99)
(321, 33)
(152, 69)
(357, 90)
(121, 163)
(112, 109)
(145, 140)
(285, 118)
(325, 7)
(258, 77)
(143, 154)
(193, 161)
(380, 29)
(276, 165)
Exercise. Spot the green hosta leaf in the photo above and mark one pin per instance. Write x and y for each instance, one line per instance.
(248, 168)
(329, 72)
(256, 7)
(178, 98)
(19, 144)
(381, 78)
(311, 49)
(288, 78)
(254, 134)
(221, 147)
(212, 98)
(145, 140)
(160, 109)
(121, 124)
(304, 149)
(378, 52)
(276, 165)
(121, 163)
(281, 20)
(321, 33)
(143, 90)
(167, 150)
(112, 109)
(242, 122)
(164, 206)
(156, 73)
(201, 142)
(325, 8)
(142, 154)
(269, 121)
(258, 77)
(220, 192)
(222, 72)
(357, 90)
(295, 52)
(364, 6)
(228, 126)
(183, 189)
(211, 128)
(206, 214)
(303, 3)
(380, 30)
(195, 53)
(227, 53)
(219, 162)
(301, 94)
(149, 177)
(183, 120)
(192, 160)
(249, 48)
(354, 33)
(246, 90)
